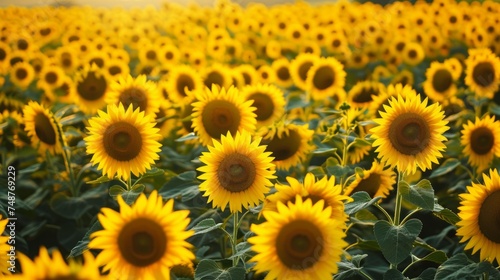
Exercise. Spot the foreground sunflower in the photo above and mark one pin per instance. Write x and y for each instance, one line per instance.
(298, 241)
(237, 172)
(409, 134)
(123, 142)
(482, 72)
(288, 143)
(142, 241)
(479, 211)
(42, 127)
(54, 267)
(269, 101)
(218, 112)
(4, 249)
(138, 92)
(481, 141)
(376, 181)
(323, 189)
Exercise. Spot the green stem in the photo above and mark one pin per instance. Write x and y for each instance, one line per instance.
(409, 215)
(364, 274)
(129, 184)
(350, 246)
(384, 212)
(236, 225)
(399, 198)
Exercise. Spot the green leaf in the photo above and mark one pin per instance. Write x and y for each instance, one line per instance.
(460, 267)
(153, 172)
(446, 167)
(100, 180)
(324, 151)
(208, 270)
(361, 201)
(448, 216)
(396, 241)
(82, 245)
(69, 207)
(349, 269)
(295, 101)
(30, 169)
(438, 257)
(428, 274)
(116, 190)
(421, 194)
(243, 249)
(183, 185)
(394, 274)
(189, 136)
(365, 216)
(359, 172)
(130, 196)
(205, 226)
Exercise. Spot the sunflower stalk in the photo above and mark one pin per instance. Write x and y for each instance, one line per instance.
(236, 226)
(399, 199)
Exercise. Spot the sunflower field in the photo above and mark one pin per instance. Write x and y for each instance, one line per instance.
(340, 140)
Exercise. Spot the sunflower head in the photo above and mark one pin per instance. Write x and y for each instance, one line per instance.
(362, 93)
(479, 210)
(481, 141)
(218, 112)
(325, 77)
(42, 127)
(439, 84)
(298, 241)
(409, 134)
(143, 241)
(376, 181)
(299, 67)
(92, 86)
(22, 74)
(182, 82)
(269, 101)
(123, 141)
(237, 172)
(482, 72)
(136, 92)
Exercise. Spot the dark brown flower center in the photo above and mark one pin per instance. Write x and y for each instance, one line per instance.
(409, 133)
(44, 129)
(214, 77)
(3, 54)
(21, 74)
(219, 117)
(142, 242)
(114, 70)
(236, 172)
(184, 83)
(442, 80)
(369, 184)
(284, 147)
(264, 105)
(151, 55)
(489, 217)
(365, 95)
(412, 53)
(283, 73)
(92, 87)
(51, 77)
(482, 140)
(483, 74)
(299, 245)
(122, 141)
(134, 96)
(98, 61)
(22, 44)
(303, 69)
(323, 78)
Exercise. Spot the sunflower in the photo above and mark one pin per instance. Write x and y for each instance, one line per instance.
(217, 74)
(117, 68)
(439, 84)
(42, 127)
(281, 69)
(138, 92)
(299, 67)
(362, 93)
(220, 111)
(5, 52)
(169, 54)
(325, 77)
(479, 210)
(248, 73)
(237, 172)
(404, 77)
(413, 53)
(46, 266)
(356, 152)
(142, 241)
(4, 249)
(123, 141)
(266, 74)
(376, 181)
(182, 82)
(289, 143)
(410, 133)
(63, 93)
(269, 101)
(298, 241)
(482, 72)
(92, 85)
(316, 190)
(22, 74)
(455, 66)
(51, 76)
(481, 141)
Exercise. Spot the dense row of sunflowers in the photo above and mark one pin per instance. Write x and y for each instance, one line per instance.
(286, 142)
